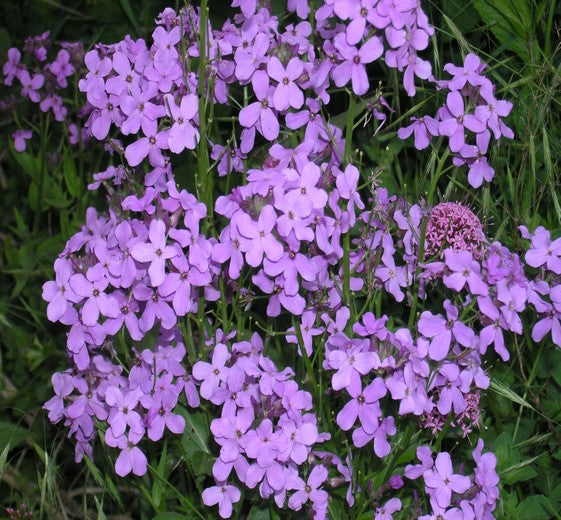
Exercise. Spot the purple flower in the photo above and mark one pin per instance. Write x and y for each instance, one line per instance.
(131, 457)
(108, 112)
(179, 284)
(360, 13)
(442, 330)
(20, 137)
(346, 183)
(182, 133)
(453, 126)
(164, 72)
(492, 333)
(424, 454)
(491, 113)
(393, 277)
(212, 374)
(298, 440)
(486, 474)
(464, 270)
(249, 59)
(257, 238)
(98, 70)
(260, 110)
(423, 129)
(309, 490)
(127, 79)
(364, 405)
(156, 307)
(291, 301)
(469, 73)
(544, 251)
(409, 390)
(63, 387)
(31, 85)
(140, 109)
(151, 145)
(451, 395)
(354, 66)
(224, 495)
(263, 444)
(301, 7)
(229, 433)
(441, 481)
(96, 300)
(295, 219)
(287, 93)
(349, 364)
(160, 415)
(122, 412)
(156, 252)
(12, 67)
(307, 330)
(386, 511)
(59, 293)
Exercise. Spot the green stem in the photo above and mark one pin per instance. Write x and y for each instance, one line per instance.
(347, 238)
(349, 128)
(204, 185)
(42, 173)
(434, 181)
(307, 363)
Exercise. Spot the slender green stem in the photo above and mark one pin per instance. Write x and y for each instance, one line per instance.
(549, 28)
(346, 237)
(349, 128)
(307, 362)
(42, 172)
(203, 181)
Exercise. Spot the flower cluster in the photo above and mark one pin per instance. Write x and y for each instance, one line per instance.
(42, 82)
(393, 304)
(470, 105)
(470, 496)
(135, 274)
(21, 513)
(545, 254)
(453, 225)
(265, 431)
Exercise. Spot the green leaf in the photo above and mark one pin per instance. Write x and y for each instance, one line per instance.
(518, 474)
(170, 516)
(201, 463)
(33, 194)
(54, 195)
(509, 394)
(20, 223)
(160, 470)
(507, 20)
(104, 483)
(535, 507)
(99, 507)
(196, 435)
(11, 435)
(71, 179)
(5, 41)
(258, 513)
(27, 162)
(3, 459)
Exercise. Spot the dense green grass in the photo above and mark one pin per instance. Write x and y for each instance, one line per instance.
(519, 39)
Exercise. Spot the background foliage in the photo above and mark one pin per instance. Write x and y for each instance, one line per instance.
(520, 41)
